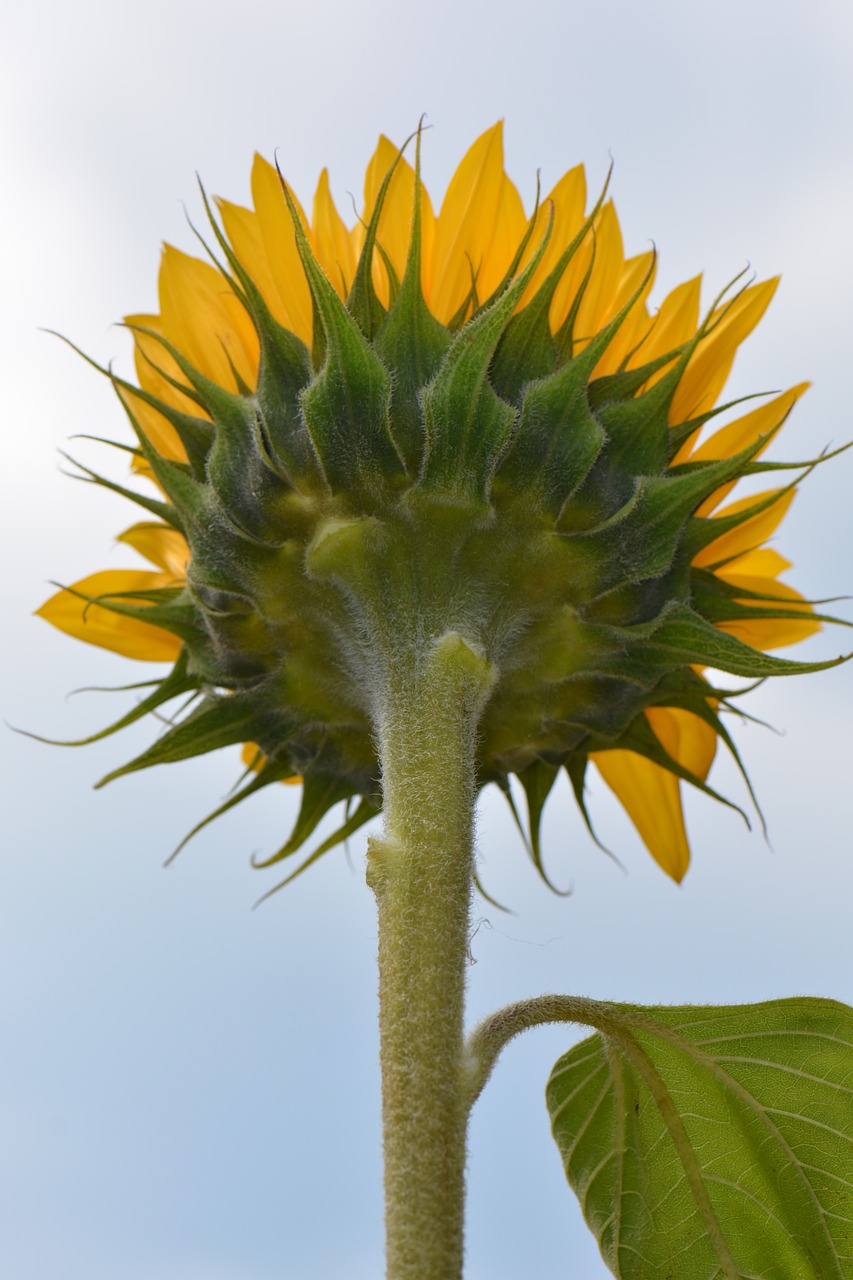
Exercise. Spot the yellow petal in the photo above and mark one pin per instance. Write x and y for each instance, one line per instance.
(637, 275)
(155, 366)
(771, 633)
(510, 226)
(395, 220)
(599, 296)
(466, 223)
(335, 250)
(687, 738)
(761, 563)
(205, 320)
(252, 756)
(162, 545)
(159, 431)
(752, 533)
(737, 435)
(570, 282)
(636, 271)
(710, 364)
(279, 241)
(96, 625)
(147, 354)
(568, 201)
(676, 322)
(651, 796)
(741, 433)
(768, 633)
(254, 759)
(374, 175)
(243, 229)
(395, 223)
(376, 172)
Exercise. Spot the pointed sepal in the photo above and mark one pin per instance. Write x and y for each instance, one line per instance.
(538, 780)
(468, 426)
(217, 722)
(346, 406)
(412, 345)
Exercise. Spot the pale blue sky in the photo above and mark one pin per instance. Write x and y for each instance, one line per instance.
(189, 1090)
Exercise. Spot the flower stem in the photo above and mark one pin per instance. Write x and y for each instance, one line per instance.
(485, 1043)
(421, 873)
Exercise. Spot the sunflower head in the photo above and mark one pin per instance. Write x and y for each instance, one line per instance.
(363, 438)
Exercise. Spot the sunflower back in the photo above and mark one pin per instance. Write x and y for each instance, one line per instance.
(377, 437)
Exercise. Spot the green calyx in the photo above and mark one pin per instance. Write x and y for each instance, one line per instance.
(407, 480)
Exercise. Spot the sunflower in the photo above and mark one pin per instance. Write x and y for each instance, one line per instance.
(473, 419)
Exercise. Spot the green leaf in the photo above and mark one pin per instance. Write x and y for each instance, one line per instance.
(713, 1143)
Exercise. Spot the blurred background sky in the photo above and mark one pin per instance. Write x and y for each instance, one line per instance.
(188, 1089)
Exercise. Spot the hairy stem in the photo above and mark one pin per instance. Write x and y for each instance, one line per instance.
(484, 1044)
(421, 873)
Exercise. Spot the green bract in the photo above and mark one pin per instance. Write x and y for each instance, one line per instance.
(405, 479)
